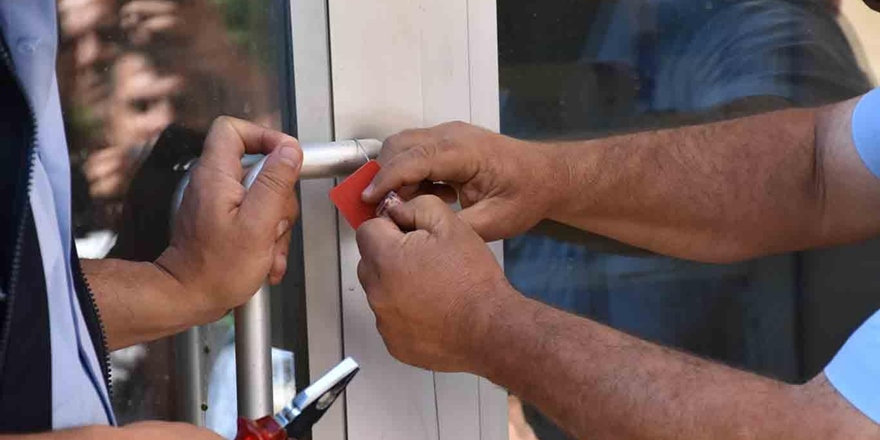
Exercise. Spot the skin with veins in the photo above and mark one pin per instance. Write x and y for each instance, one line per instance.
(721, 192)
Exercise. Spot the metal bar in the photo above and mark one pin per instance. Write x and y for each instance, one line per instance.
(335, 159)
(187, 359)
(189, 376)
(253, 339)
(253, 356)
(324, 159)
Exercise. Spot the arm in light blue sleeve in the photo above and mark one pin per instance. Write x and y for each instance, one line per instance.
(866, 130)
(855, 371)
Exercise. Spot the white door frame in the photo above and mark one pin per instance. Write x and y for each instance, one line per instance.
(367, 69)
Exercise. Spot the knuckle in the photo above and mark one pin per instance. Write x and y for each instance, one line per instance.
(392, 143)
(429, 201)
(362, 234)
(363, 272)
(397, 143)
(273, 180)
(456, 125)
(222, 121)
(424, 151)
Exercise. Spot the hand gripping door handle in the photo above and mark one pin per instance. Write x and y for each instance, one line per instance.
(253, 356)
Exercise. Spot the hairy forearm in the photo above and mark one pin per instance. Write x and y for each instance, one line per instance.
(140, 302)
(600, 383)
(724, 191)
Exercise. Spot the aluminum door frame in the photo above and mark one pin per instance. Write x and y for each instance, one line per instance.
(314, 112)
(393, 64)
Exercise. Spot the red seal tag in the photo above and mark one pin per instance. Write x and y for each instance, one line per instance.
(347, 195)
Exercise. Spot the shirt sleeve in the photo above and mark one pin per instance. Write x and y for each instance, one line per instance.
(789, 50)
(855, 370)
(866, 130)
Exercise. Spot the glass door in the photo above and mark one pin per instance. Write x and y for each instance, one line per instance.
(141, 81)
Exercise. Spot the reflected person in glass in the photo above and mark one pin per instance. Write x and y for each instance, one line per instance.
(586, 69)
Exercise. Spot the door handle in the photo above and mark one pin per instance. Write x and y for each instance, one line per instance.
(253, 351)
(321, 160)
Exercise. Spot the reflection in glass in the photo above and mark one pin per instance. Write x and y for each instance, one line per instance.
(141, 81)
(575, 69)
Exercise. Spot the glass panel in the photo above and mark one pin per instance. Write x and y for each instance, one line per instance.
(141, 81)
(586, 69)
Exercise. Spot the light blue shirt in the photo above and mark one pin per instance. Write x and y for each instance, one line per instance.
(79, 396)
(866, 130)
(855, 371)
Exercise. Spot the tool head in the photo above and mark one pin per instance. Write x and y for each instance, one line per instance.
(310, 405)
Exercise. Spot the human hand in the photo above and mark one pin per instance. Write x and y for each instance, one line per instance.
(433, 289)
(110, 171)
(143, 21)
(503, 184)
(226, 240)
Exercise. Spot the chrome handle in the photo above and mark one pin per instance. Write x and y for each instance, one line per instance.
(253, 351)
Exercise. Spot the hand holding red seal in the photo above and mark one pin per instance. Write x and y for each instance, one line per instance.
(347, 197)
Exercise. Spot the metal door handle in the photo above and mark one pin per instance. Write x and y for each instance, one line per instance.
(321, 160)
(253, 351)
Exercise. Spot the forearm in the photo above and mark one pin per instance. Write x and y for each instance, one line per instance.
(724, 191)
(85, 433)
(600, 383)
(136, 431)
(140, 302)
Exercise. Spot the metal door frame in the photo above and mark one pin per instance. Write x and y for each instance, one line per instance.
(445, 51)
(314, 112)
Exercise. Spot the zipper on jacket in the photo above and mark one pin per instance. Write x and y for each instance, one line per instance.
(106, 347)
(5, 58)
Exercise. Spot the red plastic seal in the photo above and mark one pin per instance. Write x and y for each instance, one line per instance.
(262, 429)
(347, 195)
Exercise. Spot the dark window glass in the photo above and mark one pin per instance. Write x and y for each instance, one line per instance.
(573, 69)
(141, 81)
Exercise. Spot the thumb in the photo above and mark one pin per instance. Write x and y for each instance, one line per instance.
(267, 198)
(376, 237)
(427, 212)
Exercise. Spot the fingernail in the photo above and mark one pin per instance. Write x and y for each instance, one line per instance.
(290, 154)
(368, 191)
(282, 228)
(389, 203)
